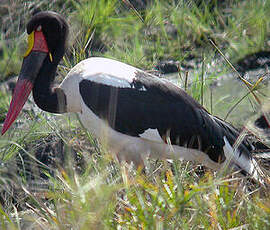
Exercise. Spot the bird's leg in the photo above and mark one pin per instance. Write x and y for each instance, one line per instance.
(131, 153)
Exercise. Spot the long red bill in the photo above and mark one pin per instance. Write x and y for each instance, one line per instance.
(20, 95)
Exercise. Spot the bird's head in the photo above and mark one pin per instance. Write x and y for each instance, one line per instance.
(47, 34)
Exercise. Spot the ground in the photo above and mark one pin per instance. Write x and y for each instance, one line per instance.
(84, 187)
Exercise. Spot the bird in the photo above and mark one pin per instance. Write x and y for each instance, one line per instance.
(133, 111)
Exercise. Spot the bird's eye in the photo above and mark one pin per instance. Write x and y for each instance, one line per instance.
(39, 28)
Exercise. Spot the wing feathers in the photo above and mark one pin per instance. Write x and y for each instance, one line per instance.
(148, 102)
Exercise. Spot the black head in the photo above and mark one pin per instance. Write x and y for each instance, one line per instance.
(54, 28)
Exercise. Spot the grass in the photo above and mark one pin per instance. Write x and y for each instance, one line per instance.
(88, 189)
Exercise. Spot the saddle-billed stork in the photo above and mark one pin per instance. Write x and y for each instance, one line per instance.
(133, 110)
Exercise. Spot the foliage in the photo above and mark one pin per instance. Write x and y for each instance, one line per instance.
(104, 194)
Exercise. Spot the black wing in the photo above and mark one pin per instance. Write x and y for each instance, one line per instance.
(150, 102)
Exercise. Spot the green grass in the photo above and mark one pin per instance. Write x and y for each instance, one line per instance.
(106, 196)
(101, 194)
(166, 30)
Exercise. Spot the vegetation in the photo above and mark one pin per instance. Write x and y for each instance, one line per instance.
(86, 188)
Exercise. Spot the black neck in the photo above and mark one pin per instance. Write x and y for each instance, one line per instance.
(47, 98)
